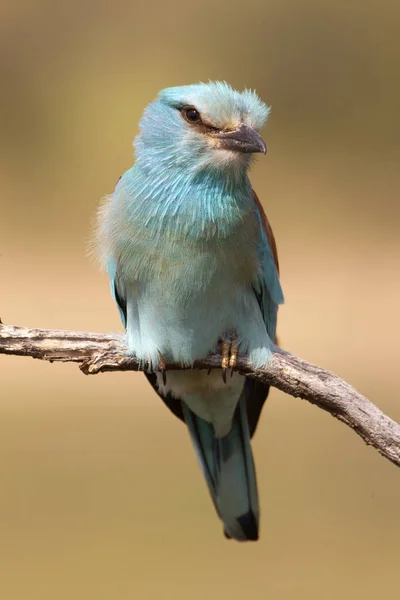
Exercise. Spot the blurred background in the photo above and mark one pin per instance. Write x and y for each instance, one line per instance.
(101, 496)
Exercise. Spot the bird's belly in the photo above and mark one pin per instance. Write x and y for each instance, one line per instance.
(183, 326)
(187, 296)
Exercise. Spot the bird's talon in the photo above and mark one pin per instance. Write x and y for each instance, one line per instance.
(229, 357)
(225, 359)
(234, 354)
(163, 369)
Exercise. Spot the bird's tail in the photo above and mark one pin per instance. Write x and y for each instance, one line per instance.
(228, 468)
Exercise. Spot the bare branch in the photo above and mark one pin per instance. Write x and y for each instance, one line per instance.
(96, 352)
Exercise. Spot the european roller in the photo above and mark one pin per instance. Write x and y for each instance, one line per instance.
(194, 268)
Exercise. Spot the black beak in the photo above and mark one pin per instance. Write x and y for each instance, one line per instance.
(243, 139)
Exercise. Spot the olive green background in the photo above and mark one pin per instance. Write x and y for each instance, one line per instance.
(100, 493)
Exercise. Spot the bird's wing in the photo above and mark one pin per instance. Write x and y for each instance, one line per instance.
(267, 287)
(268, 291)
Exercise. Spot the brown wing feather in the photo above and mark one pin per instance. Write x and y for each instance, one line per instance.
(268, 231)
(270, 237)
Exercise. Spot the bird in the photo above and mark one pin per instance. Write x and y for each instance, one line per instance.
(193, 268)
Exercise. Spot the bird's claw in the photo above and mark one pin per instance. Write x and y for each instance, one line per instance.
(229, 357)
(163, 369)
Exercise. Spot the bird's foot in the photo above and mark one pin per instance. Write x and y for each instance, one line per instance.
(229, 350)
(162, 365)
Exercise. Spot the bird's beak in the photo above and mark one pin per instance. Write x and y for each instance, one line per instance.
(243, 139)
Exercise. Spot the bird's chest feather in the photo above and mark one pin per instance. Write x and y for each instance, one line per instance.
(199, 262)
(199, 243)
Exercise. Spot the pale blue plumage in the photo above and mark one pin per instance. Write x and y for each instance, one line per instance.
(190, 265)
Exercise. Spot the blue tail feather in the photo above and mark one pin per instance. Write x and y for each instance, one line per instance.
(228, 468)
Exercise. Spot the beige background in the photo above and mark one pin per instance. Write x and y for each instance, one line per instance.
(100, 493)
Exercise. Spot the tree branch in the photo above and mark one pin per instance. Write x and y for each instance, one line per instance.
(96, 352)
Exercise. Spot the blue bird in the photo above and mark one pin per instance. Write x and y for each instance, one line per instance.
(193, 268)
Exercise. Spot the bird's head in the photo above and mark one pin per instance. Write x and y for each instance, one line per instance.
(202, 126)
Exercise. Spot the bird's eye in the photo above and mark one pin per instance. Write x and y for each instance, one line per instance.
(191, 114)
